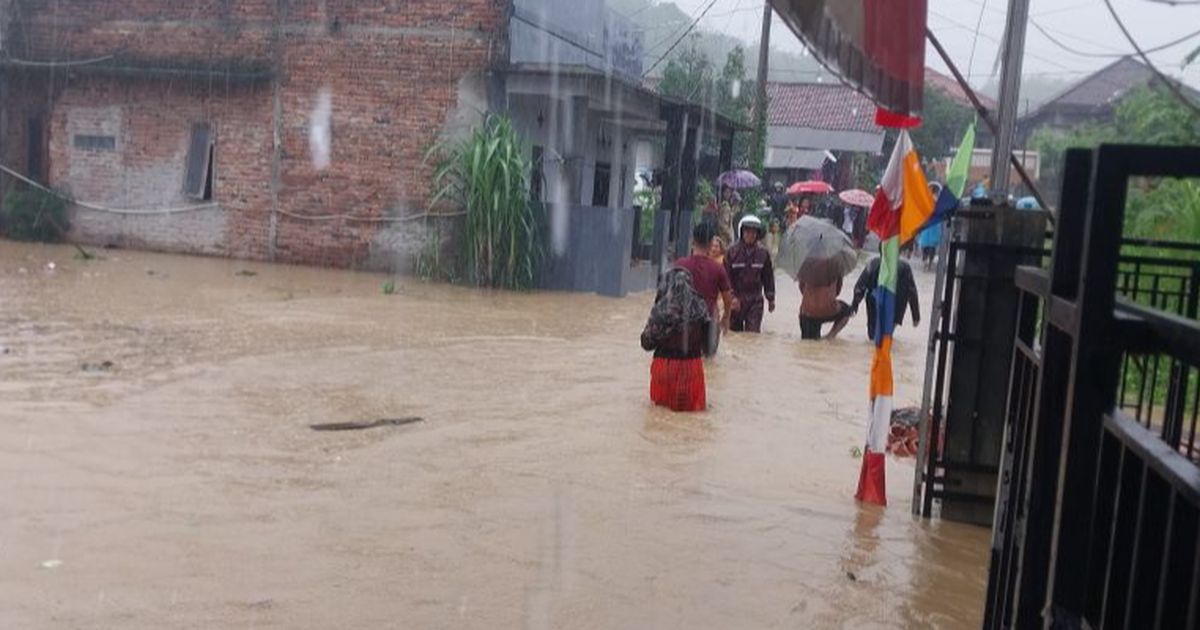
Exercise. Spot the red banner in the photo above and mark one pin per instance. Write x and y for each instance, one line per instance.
(875, 45)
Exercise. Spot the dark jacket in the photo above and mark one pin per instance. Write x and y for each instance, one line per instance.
(750, 271)
(906, 289)
(688, 342)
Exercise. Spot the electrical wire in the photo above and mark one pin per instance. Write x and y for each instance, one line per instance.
(1171, 84)
(680, 39)
(975, 41)
(1114, 55)
(1174, 42)
(101, 208)
(56, 64)
(990, 38)
(214, 206)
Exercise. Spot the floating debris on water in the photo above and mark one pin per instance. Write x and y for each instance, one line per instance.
(52, 564)
(103, 366)
(372, 424)
(246, 273)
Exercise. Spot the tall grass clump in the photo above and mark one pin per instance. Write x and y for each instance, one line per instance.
(34, 215)
(487, 175)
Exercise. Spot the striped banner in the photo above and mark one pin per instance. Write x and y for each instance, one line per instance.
(902, 205)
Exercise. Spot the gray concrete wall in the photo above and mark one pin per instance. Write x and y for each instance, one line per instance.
(194, 232)
(597, 255)
(401, 246)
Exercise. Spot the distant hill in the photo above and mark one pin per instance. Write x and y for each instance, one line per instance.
(663, 23)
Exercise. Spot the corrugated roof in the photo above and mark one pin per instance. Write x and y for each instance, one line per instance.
(1107, 84)
(819, 106)
(1103, 87)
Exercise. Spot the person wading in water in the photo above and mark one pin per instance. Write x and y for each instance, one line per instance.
(906, 294)
(749, 267)
(819, 303)
(710, 281)
(677, 333)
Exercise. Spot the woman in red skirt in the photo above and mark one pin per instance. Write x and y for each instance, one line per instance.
(677, 332)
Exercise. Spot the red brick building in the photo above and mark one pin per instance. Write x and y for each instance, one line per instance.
(293, 131)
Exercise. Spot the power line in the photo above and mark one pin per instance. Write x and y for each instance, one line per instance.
(994, 40)
(1073, 7)
(680, 39)
(978, 23)
(737, 9)
(1081, 53)
(1171, 84)
(986, 7)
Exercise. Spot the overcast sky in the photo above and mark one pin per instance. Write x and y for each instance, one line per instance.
(1083, 25)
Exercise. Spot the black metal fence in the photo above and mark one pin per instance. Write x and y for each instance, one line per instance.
(1098, 513)
(939, 479)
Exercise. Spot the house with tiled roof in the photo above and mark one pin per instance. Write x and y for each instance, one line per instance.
(812, 126)
(1093, 99)
(949, 86)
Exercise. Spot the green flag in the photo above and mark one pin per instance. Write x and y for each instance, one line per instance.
(960, 166)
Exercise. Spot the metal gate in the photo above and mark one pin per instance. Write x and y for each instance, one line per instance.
(959, 456)
(1098, 511)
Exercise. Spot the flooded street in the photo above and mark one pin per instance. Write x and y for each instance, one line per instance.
(183, 488)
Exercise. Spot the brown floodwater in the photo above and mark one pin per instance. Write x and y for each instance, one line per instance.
(182, 487)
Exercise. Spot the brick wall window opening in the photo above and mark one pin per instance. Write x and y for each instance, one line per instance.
(600, 183)
(89, 142)
(537, 175)
(198, 174)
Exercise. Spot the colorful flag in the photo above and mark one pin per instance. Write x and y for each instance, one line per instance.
(902, 205)
(960, 166)
(876, 45)
(956, 180)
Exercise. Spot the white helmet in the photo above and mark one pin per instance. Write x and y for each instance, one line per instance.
(750, 221)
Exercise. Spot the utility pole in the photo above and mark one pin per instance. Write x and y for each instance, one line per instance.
(1010, 90)
(757, 147)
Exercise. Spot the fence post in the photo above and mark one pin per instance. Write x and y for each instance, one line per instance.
(1091, 385)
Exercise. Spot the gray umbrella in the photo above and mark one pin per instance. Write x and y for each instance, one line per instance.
(818, 249)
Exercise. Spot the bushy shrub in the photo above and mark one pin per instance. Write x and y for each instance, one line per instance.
(34, 215)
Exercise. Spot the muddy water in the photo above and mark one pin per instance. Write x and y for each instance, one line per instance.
(183, 488)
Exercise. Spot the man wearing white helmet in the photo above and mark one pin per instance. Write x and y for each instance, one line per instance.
(752, 276)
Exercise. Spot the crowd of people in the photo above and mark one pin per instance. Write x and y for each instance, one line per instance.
(727, 283)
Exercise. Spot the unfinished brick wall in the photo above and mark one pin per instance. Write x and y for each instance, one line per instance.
(395, 71)
(151, 123)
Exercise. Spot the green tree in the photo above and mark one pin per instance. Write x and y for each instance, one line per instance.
(1157, 208)
(942, 124)
(689, 74)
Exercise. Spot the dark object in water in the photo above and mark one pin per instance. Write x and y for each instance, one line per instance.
(853, 578)
(358, 426)
(246, 273)
(98, 367)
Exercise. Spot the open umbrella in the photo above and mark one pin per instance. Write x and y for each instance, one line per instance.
(739, 179)
(812, 186)
(817, 250)
(857, 197)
